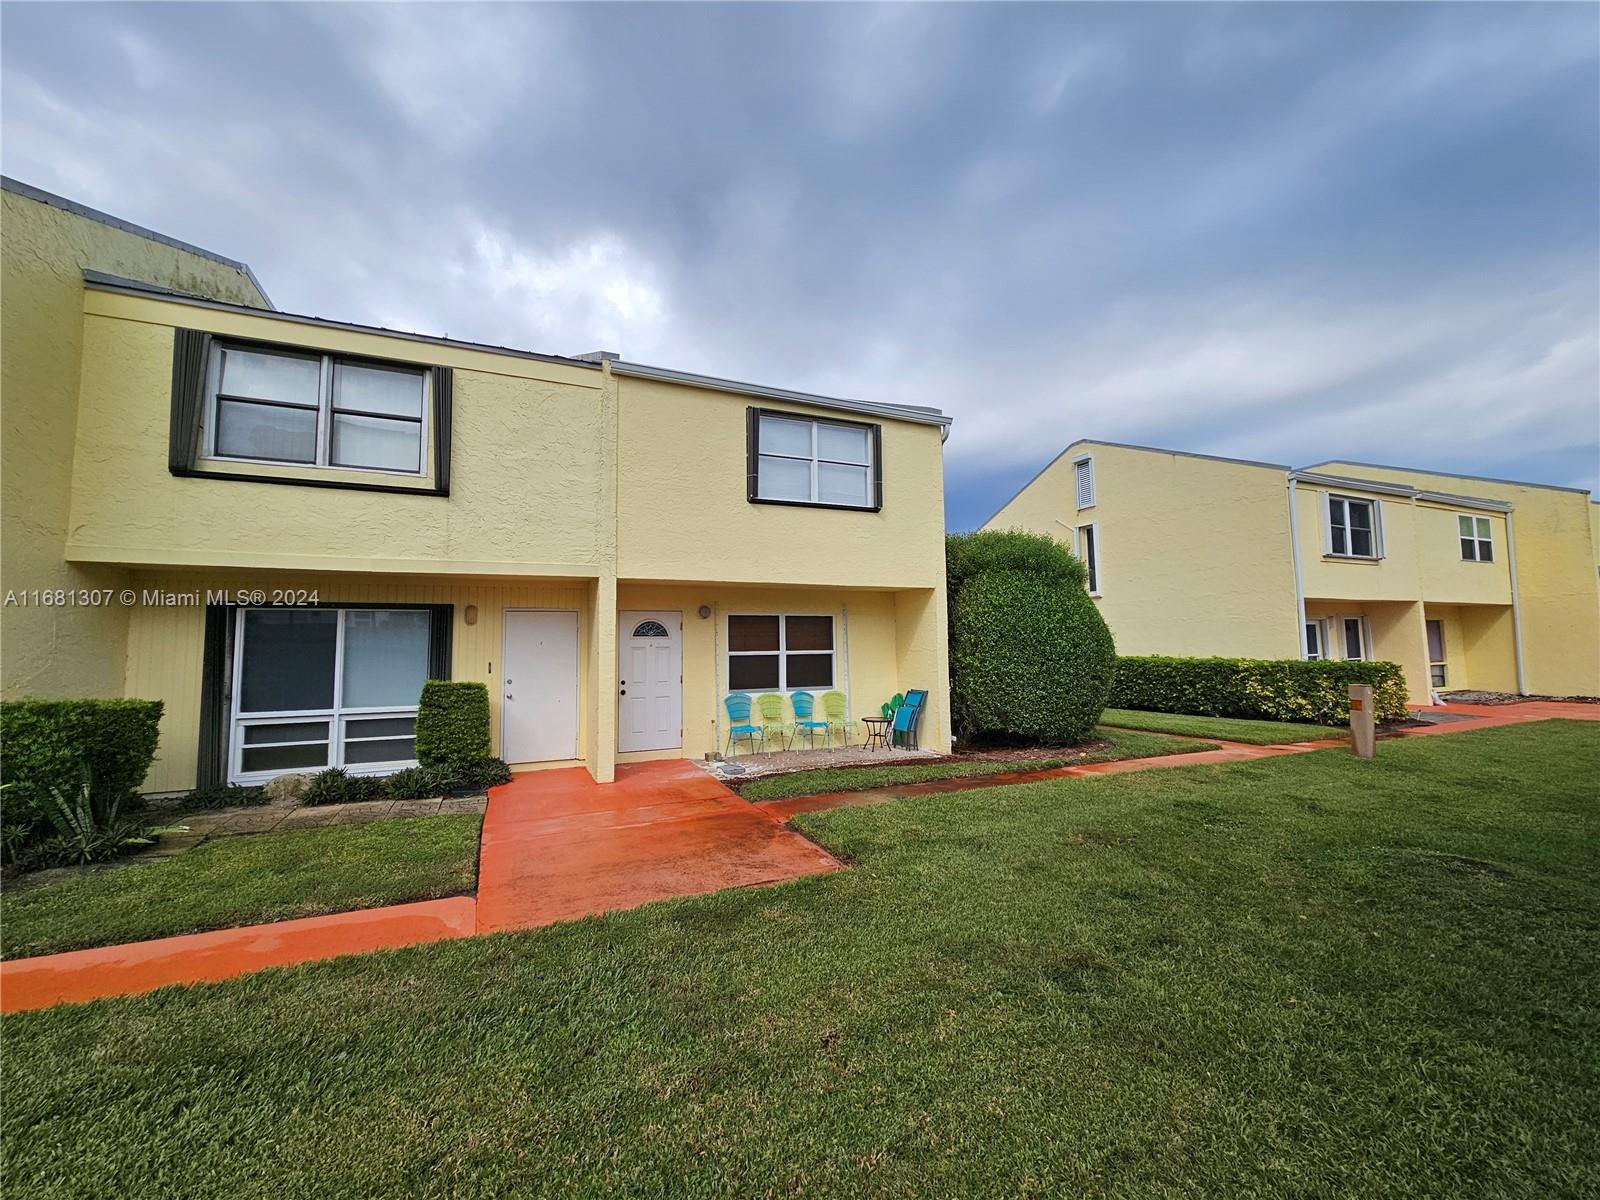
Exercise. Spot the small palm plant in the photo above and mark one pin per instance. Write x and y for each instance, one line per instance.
(89, 822)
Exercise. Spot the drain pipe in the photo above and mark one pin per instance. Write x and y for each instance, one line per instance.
(1516, 606)
(1299, 578)
(716, 676)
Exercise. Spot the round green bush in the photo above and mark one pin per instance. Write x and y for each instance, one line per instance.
(1030, 656)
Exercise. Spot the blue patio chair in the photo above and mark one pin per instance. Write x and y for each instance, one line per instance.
(906, 719)
(738, 705)
(805, 720)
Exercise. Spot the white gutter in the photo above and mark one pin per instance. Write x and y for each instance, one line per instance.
(1516, 606)
(1299, 578)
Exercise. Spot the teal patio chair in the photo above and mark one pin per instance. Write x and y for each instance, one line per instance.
(770, 706)
(805, 721)
(906, 718)
(833, 707)
(738, 705)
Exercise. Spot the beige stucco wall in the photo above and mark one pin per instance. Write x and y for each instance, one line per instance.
(1556, 578)
(165, 644)
(1194, 552)
(63, 650)
(884, 643)
(682, 500)
(528, 463)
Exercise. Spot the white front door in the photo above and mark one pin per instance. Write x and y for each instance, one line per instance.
(649, 680)
(539, 686)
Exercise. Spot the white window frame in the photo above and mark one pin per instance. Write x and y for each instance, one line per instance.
(336, 717)
(324, 408)
(1482, 535)
(874, 501)
(1364, 631)
(1094, 580)
(1320, 624)
(783, 653)
(1082, 461)
(1328, 500)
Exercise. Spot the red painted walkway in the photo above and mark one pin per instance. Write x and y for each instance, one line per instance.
(556, 846)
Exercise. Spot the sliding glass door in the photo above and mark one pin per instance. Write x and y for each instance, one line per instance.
(326, 687)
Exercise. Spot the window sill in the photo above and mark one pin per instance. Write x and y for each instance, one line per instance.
(1352, 558)
(866, 508)
(238, 471)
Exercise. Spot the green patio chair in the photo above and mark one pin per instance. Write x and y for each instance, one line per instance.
(833, 708)
(770, 706)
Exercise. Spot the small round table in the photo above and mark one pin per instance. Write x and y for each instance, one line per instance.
(877, 732)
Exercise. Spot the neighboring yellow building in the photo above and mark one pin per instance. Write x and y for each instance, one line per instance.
(1467, 583)
(309, 517)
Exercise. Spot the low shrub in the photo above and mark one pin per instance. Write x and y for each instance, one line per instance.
(419, 783)
(85, 823)
(424, 783)
(1030, 656)
(483, 774)
(46, 745)
(452, 723)
(338, 786)
(223, 795)
(1263, 689)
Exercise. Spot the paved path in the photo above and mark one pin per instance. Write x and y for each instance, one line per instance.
(556, 846)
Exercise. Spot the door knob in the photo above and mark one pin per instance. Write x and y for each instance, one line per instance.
(509, 696)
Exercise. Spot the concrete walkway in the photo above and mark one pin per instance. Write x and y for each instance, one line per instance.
(557, 846)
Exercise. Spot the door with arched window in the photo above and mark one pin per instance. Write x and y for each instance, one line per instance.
(649, 681)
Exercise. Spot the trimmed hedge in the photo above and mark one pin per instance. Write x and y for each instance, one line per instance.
(46, 744)
(1261, 688)
(452, 723)
(1030, 655)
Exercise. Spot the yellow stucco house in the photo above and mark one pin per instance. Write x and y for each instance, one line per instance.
(1467, 583)
(279, 525)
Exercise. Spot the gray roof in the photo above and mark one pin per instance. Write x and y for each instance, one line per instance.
(1554, 487)
(100, 281)
(94, 214)
(915, 413)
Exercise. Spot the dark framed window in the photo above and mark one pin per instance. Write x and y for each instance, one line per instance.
(780, 653)
(260, 402)
(818, 462)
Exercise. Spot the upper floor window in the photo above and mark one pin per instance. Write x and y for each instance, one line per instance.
(1089, 555)
(314, 410)
(798, 460)
(1353, 527)
(1476, 543)
(1083, 476)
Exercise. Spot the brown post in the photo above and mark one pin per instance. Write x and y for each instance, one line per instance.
(1363, 730)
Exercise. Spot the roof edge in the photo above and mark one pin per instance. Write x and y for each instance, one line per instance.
(28, 191)
(100, 281)
(1071, 446)
(1386, 487)
(1554, 487)
(897, 412)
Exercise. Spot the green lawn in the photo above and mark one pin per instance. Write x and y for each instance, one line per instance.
(1229, 729)
(246, 880)
(1302, 976)
(1124, 744)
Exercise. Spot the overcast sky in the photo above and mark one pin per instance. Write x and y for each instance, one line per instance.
(1285, 233)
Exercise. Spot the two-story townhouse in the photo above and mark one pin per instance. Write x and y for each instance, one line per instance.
(312, 516)
(1467, 583)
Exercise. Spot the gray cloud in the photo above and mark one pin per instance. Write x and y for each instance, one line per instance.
(1282, 232)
